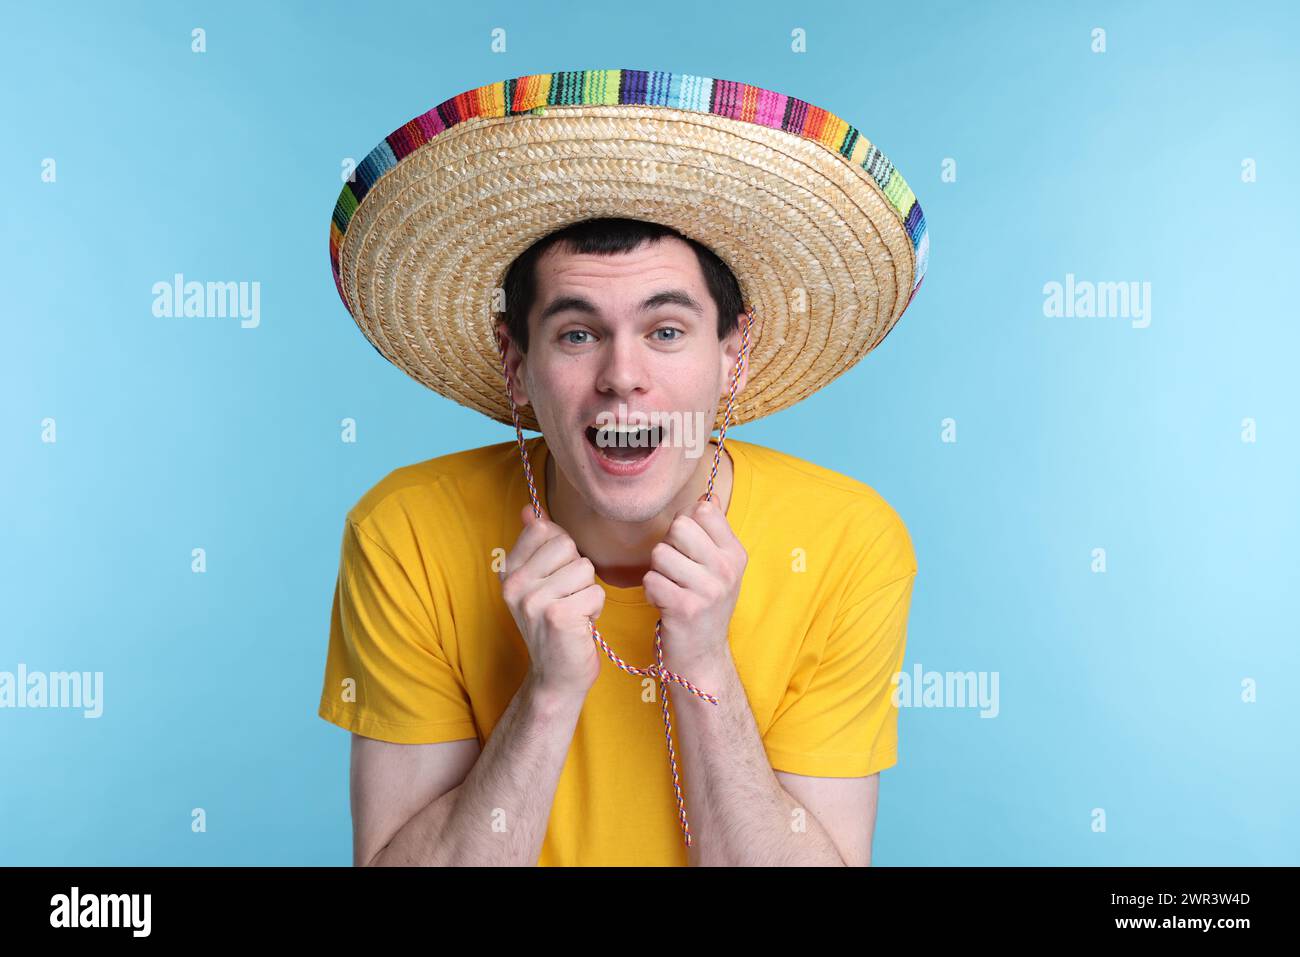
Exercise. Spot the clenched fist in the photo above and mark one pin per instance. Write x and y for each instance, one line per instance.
(551, 591)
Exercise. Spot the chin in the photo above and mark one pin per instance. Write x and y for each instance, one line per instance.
(635, 512)
(633, 500)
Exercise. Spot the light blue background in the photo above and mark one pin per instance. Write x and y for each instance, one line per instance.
(1119, 691)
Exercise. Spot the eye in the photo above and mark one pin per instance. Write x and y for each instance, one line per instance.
(670, 329)
(574, 332)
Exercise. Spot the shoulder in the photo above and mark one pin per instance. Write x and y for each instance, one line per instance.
(797, 493)
(434, 497)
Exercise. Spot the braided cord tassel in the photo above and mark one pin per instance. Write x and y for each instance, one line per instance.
(657, 670)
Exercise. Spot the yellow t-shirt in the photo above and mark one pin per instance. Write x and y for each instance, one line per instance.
(433, 654)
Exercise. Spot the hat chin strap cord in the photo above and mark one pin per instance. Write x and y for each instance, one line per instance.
(658, 669)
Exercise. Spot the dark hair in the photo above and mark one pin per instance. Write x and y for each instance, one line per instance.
(607, 236)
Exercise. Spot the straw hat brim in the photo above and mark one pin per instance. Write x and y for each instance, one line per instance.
(816, 244)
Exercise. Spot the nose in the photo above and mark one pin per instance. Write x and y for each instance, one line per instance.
(622, 370)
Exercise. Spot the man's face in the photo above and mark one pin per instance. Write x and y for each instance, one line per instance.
(626, 339)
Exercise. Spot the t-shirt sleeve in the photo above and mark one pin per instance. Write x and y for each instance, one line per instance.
(844, 722)
(386, 673)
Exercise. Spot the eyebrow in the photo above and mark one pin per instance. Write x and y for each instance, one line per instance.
(668, 297)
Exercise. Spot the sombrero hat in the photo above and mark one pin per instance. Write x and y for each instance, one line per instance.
(825, 237)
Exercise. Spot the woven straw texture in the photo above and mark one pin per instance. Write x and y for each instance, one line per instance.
(824, 236)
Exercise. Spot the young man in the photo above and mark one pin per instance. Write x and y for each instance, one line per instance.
(488, 726)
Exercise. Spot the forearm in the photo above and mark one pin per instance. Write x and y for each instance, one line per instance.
(498, 815)
(738, 811)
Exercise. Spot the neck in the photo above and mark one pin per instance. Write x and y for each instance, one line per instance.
(621, 550)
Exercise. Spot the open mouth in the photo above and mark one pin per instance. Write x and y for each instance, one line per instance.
(624, 444)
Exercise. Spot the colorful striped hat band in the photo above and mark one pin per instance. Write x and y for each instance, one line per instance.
(820, 229)
(658, 669)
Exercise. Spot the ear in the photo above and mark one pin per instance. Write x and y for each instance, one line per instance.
(731, 352)
(514, 366)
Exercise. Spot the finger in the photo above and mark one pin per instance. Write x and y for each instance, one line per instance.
(549, 557)
(660, 591)
(675, 566)
(536, 533)
(709, 517)
(527, 515)
(686, 535)
(525, 544)
(590, 601)
(530, 519)
(570, 579)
